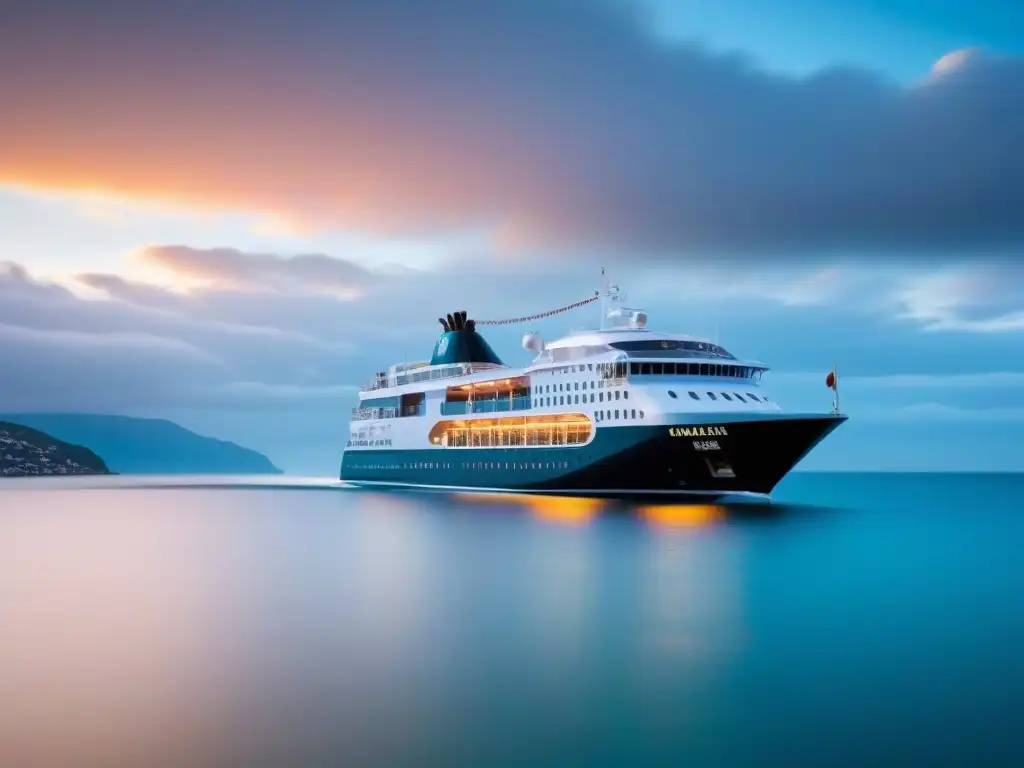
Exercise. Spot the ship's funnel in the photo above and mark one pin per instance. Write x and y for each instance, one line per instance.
(460, 343)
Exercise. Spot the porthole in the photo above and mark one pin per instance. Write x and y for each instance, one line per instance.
(672, 394)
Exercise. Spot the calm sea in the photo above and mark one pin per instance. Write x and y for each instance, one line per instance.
(857, 620)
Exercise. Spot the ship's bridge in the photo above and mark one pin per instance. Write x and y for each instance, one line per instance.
(630, 344)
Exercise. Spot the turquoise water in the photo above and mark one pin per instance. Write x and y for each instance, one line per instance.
(857, 620)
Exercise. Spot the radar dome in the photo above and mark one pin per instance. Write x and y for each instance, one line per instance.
(639, 319)
(533, 343)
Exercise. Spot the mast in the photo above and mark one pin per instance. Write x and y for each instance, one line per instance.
(835, 388)
(610, 295)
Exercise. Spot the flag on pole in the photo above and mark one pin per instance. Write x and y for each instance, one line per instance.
(832, 382)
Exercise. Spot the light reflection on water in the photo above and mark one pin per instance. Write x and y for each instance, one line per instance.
(197, 621)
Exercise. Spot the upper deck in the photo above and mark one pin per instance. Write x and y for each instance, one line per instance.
(623, 339)
(634, 346)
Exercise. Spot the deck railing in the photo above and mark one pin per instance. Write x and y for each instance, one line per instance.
(429, 374)
(501, 405)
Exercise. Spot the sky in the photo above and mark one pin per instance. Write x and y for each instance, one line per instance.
(231, 214)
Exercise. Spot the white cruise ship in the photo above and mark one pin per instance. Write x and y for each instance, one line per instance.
(621, 411)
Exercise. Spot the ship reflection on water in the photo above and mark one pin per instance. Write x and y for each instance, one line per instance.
(581, 510)
(683, 515)
(575, 510)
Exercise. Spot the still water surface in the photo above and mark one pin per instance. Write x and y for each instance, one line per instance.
(859, 619)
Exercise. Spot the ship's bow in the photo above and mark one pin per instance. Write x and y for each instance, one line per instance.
(723, 457)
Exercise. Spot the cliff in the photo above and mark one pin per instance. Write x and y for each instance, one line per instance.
(149, 446)
(25, 451)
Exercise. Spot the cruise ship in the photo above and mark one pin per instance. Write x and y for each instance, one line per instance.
(621, 411)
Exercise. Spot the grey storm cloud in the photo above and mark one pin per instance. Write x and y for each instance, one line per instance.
(147, 347)
(561, 123)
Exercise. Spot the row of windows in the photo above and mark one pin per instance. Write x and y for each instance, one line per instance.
(569, 433)
(541, 402)
(697, 348)
(632, 413)
(725, 395)
(574, 386)
(606, 370)
(692, 369)
(363, 443)
(518, 465)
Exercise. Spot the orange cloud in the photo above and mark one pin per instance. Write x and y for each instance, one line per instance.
(558, 123)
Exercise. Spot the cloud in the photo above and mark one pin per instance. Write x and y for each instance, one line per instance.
(983, 298)
(146, 347)
(561, 124)
(129, 291)
(66, 369)
(936, 300)
(230, 269)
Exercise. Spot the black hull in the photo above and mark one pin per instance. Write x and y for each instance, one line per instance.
(711, 458)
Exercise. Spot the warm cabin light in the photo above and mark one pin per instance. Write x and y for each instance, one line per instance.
(542, 430)
(682, 515)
